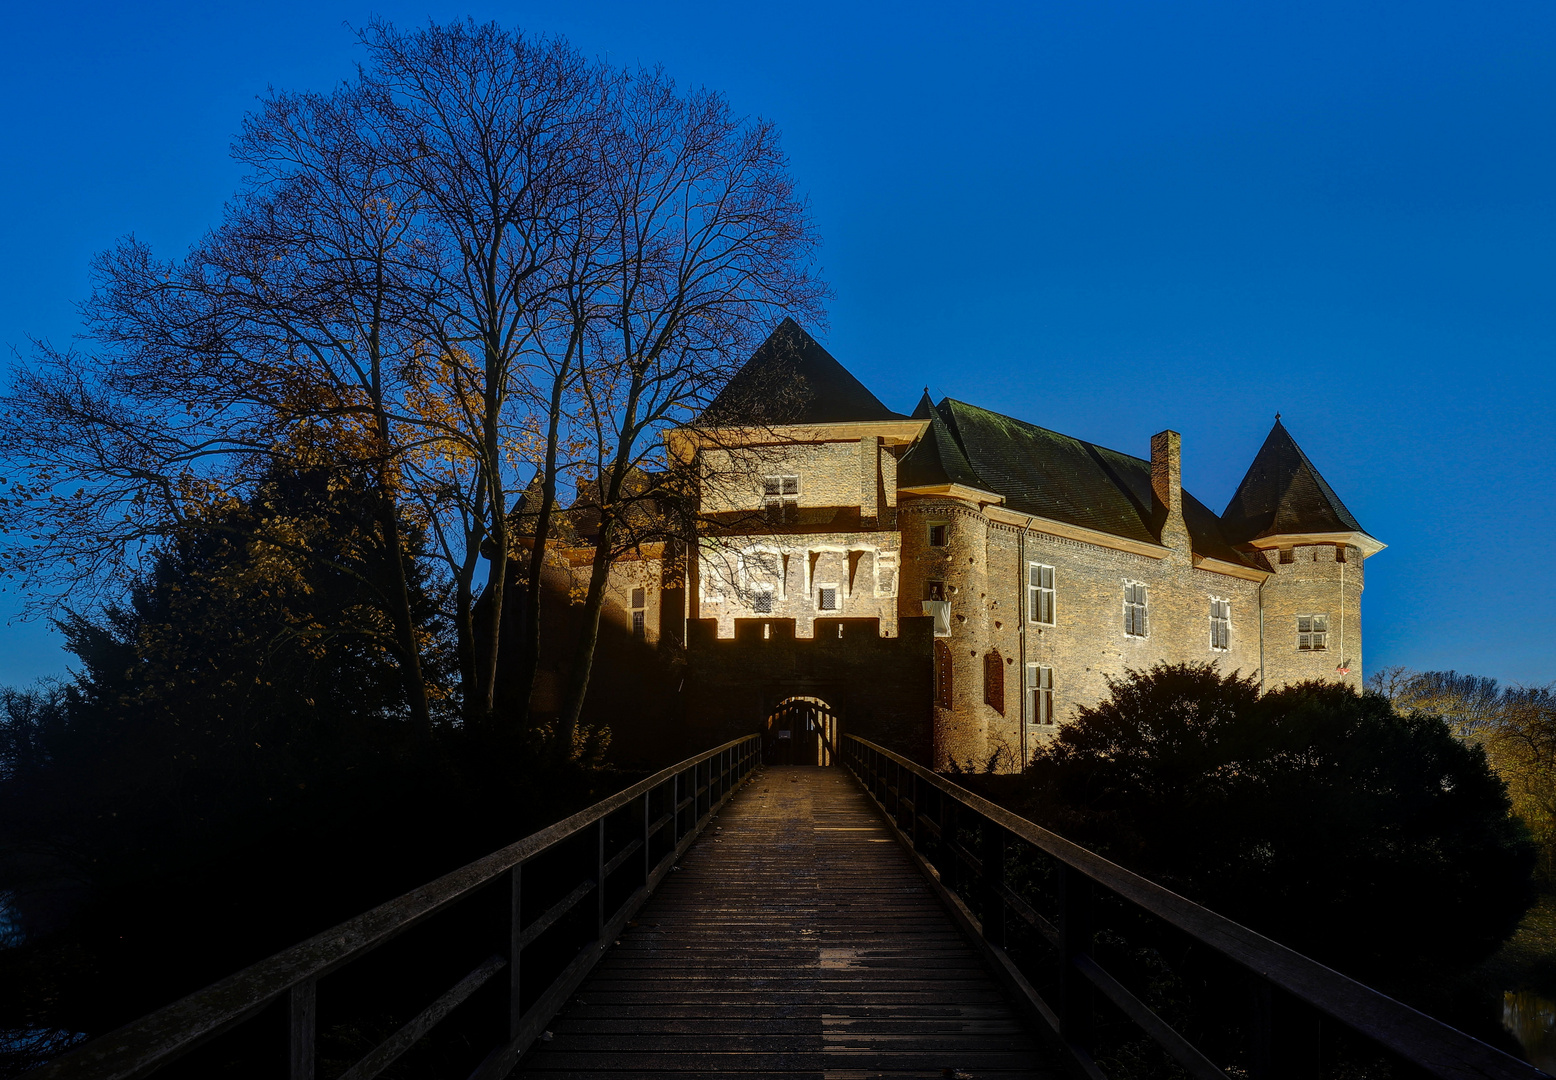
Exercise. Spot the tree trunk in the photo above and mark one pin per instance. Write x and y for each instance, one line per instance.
(529, 631)
(489, 644)
(588, 635)
(404, 619)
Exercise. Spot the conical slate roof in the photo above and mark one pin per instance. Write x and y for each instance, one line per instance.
(1283, 494)
(791, 379)
(936, 458)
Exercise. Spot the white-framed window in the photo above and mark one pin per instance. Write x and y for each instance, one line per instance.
(827, 598)
(780, 497)
(639, 613)
(1040, 593)
(1312, 633)
(939, 533)
(1040, 695)
(1220, 624)
(1135, 604)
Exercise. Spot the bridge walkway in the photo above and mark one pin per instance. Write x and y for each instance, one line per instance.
(795, 940)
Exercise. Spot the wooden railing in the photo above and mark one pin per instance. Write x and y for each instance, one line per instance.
(968, 847)
(596, 869)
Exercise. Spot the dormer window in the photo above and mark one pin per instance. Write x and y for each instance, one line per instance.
(780, 497)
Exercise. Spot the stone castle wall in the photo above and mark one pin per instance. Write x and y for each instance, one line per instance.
(984, 572)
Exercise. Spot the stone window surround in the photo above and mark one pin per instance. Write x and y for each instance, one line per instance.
(1226, 619)
(1037, 699)
(1144, 610)
(1052, 589)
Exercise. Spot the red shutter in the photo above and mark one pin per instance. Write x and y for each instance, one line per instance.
(994, 682)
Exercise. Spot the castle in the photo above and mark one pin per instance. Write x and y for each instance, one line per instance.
(956, 582)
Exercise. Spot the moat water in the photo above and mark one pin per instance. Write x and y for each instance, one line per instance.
(1531, 1019)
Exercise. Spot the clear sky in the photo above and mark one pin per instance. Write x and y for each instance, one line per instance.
(1105, 218)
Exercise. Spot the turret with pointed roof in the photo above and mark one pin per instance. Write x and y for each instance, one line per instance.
(791, 379)
(1283, 494)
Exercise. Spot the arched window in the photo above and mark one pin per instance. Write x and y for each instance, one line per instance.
(942, 674)
(994, 681)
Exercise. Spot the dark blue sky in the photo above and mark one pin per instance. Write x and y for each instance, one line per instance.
(1104, 218)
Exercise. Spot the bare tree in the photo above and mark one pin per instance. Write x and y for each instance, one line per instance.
(711, 244)
(495, 131)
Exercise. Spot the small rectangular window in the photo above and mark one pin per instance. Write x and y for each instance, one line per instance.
(937, 534)
(1040, 593)
(639, 624)
(1135, 624)
(762, 602)
(1312, 633)
(934, 590)
(637, 598)
(780, 497)
(1287, 555)
(1040, 695)
(1220, 624)
(826, 598)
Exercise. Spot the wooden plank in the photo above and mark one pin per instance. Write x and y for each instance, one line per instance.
(795, 940)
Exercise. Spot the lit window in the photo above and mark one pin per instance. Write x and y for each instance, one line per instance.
(1040, 593)
(938, 532)
(1134, 609)
(780, 497)
(1220, 624)
(1040, 695)
(826, 598)
(1312, 633)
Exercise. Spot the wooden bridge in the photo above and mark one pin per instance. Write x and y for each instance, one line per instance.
(725, 919)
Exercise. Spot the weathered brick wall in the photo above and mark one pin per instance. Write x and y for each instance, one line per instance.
(1314, 582)
(985, 577)
(829, 475)
(862, 566)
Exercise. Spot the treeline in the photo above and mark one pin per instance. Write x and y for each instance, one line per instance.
(1514, 725)
(272, 500)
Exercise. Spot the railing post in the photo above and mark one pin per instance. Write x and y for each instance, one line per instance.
(1075, 940)
(599, 882)
(918, 809)
(304, 1022)
(515, 948)
(991, 852)
(648, 836)
(1286, 1036)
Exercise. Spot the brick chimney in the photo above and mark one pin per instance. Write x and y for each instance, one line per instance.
(1167, 491)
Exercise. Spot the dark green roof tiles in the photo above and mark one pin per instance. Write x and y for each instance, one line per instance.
(1046, 474)
(936, 459)
(1283, 494)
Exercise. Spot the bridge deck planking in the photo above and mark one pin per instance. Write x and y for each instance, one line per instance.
(796, 940)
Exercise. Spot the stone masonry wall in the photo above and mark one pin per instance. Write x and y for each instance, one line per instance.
(1314, 582)
(985, 581)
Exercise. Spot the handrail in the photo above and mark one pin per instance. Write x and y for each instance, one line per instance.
(1291, 989)
(690, 793)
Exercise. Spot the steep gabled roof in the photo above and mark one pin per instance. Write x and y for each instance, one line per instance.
(1044, 473)
(791, 379)
(1283, 494)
